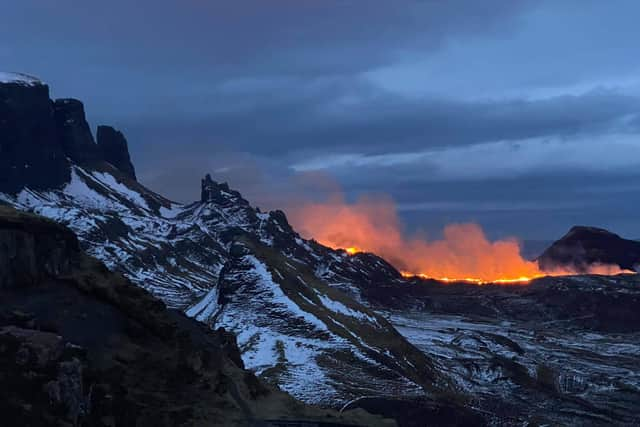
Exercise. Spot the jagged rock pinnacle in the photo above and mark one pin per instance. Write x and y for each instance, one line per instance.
(214, 192)
(74, 132)
(207, 189)
(114, 148)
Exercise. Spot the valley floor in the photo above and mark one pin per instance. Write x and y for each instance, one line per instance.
(549, 372)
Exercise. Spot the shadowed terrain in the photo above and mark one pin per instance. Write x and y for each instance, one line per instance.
(80, 345)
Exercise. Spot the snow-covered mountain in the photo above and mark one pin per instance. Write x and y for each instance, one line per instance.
(219, 259)
(229, 265)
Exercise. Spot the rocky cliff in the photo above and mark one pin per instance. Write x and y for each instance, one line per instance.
(30, 153)
(39, 137)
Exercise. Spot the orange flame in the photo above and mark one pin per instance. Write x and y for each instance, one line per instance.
(464, 253)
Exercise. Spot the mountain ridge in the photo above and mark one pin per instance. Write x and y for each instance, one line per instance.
(216, 258)
(41, 137)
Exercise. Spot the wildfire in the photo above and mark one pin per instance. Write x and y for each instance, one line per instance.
(514, 281)
(464, 254)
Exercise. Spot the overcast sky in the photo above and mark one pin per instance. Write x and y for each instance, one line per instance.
(523, 116)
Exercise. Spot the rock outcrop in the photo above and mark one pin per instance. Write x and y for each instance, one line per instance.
(115, 150)
(43, 364)
(39, 138)
(74, 133)
(30, 153)
(33, 249)
(217, 193)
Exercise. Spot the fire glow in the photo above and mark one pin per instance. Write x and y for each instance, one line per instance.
(464, 254)
(513, 281)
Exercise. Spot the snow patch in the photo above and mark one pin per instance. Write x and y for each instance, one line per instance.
(338, 307)
(19, 78)
(206, 308)
(171, 212)
(110, 182)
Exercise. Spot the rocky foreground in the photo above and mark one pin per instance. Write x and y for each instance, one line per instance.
(80, 345)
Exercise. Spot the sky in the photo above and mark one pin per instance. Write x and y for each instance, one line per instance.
(522, 116)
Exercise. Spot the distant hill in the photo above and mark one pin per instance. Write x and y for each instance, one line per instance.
(584, 246)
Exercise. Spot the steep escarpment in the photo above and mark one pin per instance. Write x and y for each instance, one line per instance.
(80, 345)
(40, 138)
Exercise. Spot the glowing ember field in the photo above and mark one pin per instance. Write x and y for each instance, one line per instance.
(464, 254)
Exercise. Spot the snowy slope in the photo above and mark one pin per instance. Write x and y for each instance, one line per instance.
(177, 262)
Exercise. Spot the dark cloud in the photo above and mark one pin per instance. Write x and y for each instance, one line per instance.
(329, 37)
(248, 89)
(337, 119)
(534, 206)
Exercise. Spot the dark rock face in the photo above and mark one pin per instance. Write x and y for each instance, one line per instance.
(415, 412)
(30, 153)
(114, 148)
(585, 246)
(74, 133)
(32, 249)
(46, 373)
